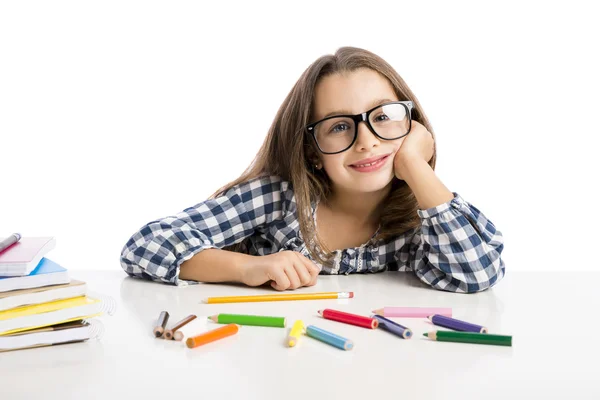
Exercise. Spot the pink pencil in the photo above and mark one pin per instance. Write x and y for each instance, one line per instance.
(413, 312)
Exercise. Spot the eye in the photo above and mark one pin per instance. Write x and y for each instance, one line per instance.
(339, 128)
(380, 118)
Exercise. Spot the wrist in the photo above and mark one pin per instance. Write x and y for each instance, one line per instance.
(242, 266)
(407, 163)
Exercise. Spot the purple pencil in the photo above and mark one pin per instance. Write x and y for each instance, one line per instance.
(456, 324)
(393, 327)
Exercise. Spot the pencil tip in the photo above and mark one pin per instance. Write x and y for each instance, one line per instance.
(430, 317)
(426, 334)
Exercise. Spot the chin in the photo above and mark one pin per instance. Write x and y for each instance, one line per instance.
(371, 183)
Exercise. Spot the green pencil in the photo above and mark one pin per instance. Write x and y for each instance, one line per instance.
(470, 337)
(256, 320)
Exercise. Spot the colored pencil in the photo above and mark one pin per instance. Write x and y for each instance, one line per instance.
(456, 324)
(211, 336)
(163, 318)
(173, 332)
(393, 327)
(412, 312)
(295, 333)
(9, 241)
(255, 320)
(280, 297)
(347, 318)
(470, 337)
(329, 338)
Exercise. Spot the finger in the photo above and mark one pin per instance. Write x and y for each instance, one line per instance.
(312, 267)
(314, 272)
(303, 272)
(293, 277)
(279, 279)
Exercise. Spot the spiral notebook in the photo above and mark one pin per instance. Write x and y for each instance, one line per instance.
(46, 314)
(24, 297)
(70, 332)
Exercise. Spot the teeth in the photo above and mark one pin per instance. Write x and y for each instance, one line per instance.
(368, 165)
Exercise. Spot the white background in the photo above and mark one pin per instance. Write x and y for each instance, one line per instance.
(116, 113)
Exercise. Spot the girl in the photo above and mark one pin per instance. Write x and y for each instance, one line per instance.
(344, 182)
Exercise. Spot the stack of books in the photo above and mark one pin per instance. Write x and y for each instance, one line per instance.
(40, 305)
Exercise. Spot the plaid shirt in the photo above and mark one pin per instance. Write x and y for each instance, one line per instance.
(456, 248)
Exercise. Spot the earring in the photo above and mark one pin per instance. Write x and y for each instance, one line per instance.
(318, 166)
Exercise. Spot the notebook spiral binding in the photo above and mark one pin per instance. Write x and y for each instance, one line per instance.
(109, 305)
(96, 328)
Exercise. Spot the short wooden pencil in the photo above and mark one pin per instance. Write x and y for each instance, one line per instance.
(456, 324)
(393, 327)
(163, 318)
(412, 312)
(173, 333)
(347, 318)
(295, 333)
(211, 336)
(255, 320)
(470, 337)
(329, 338)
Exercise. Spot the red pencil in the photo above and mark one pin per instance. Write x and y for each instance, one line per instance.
(353, 319)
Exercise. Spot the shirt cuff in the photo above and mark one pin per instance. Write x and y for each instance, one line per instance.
(457, 203)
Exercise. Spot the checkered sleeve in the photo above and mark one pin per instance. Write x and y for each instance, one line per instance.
(459, 250)
(157, 250)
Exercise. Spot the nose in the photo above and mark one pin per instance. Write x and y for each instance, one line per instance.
(365, 139)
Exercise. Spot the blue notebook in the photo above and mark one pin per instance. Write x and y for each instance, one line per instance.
(46, 273)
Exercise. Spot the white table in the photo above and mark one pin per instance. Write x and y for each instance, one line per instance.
(552, 317)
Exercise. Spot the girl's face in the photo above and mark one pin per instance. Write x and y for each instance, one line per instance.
(354, 93)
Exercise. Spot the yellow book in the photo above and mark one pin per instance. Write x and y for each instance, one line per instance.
(50, 313)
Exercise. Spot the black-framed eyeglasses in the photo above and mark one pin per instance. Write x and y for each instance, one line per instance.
(337, 133)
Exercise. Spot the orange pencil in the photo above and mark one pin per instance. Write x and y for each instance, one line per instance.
(211, 336)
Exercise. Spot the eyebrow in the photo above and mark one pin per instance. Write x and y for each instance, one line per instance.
(346, 112)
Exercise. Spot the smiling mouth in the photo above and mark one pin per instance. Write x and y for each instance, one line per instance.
(378, 161)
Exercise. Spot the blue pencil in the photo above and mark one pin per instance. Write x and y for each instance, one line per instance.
(329, 338)
(393, 327)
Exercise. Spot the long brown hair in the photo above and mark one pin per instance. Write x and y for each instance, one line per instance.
(290, 153)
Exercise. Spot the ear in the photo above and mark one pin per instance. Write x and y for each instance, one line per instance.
(312, 156)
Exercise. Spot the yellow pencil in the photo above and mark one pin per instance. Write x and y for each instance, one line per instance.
(295, 333)
(280, 297)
